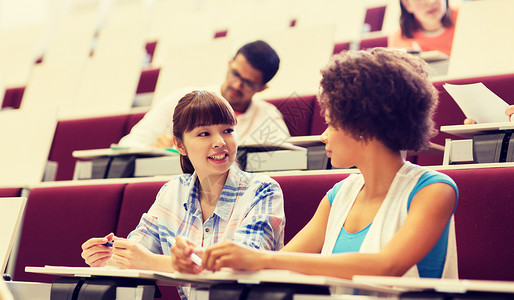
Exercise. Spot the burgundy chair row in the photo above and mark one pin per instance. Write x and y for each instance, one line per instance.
(59, 219)
(302, 115)
(484, 226)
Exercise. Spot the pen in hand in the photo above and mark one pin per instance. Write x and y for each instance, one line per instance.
(196, 259)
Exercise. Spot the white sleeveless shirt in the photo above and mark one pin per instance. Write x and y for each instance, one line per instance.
(389, 218)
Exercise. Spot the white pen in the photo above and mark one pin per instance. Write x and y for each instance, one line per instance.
(196, 259)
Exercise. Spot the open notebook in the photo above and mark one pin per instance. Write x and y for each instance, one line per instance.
(10, 221)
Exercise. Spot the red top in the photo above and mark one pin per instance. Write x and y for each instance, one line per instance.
(441, 42)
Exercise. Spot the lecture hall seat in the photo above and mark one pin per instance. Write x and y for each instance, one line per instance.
(302, 195)
(483, 223)
(137, 199)
(375, 18)
(83, 134)
(297, 112)
(58, 220)
(318, 124)
(12, 98)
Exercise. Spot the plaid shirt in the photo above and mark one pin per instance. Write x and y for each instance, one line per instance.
(250, 211)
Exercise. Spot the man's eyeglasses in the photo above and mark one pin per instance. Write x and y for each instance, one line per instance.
(246, 84)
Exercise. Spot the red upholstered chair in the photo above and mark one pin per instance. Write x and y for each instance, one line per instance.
(147, 81)
(297, 112)
(10, 192)
(339, 47)
(82, 134)
(375, 18)
(12, 98)
(302, 195)
(59, 219)
(484, 223)
(318, 124)
(137, 199)
(373, 42)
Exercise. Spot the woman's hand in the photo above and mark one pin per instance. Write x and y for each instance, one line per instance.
(131, 255)
(228, 254)
(94, 253)
(181, 256)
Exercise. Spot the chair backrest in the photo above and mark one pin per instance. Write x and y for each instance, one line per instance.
(318, 124)
(137, 199)
(483, 223)
(12, 97)
(373, 42)
(375, 17)
(297, 112)
(302, 195)
(59, 219)
(83, 134)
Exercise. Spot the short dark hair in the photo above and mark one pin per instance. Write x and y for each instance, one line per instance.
(409, 25)
(199, 108)
(262, 57)
(380, 93)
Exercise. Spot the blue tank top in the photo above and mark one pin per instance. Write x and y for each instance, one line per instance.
(431, 266)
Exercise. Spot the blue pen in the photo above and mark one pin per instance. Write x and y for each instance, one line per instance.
(108, 244)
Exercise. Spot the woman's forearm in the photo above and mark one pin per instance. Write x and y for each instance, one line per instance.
(342, 265)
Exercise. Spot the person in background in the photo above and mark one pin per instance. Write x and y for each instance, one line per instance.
(509, 112)
(394, 218)
(425, 25)
(249, 71)
(212, 202)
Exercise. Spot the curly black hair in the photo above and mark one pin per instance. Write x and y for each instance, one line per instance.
(380, 93)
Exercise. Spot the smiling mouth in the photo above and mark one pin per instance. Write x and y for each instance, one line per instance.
(218, 157)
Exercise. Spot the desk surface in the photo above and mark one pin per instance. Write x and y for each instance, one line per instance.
(468, 131)
(209, 278)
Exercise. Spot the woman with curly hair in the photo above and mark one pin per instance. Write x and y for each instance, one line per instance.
(394, 218)
(425, 25)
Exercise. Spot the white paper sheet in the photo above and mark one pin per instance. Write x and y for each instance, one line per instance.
(478, 102)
